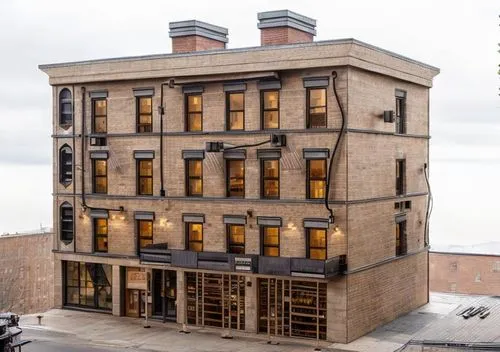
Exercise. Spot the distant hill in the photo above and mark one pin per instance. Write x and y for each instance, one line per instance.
(480, 248)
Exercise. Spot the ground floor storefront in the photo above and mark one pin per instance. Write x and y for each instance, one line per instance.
(267, 305)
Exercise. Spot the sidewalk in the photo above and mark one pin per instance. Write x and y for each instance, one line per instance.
(121, 332)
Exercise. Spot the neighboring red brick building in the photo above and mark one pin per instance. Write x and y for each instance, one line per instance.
(467, 273)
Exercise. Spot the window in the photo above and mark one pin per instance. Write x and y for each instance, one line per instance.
(194, 177)
(145, 231)
(400, 111)
(316, 108)
(270, 241)
(100, 235)
(65, 108)
(144, 114)
(401, 237)
(65, 165)
(194, 112)
(100, 175)
(145, 177)
(270, 178)
(99, 114)
(194, 240)
(235, 238)
(235, 178)
(235, 111)
(270, 113)
(316, 243)
(316, 178)
(400, 177)
(66, 214)
(88, 285)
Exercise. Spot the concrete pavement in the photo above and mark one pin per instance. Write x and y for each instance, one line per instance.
(106, 331)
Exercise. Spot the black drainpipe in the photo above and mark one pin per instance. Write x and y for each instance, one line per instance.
(82, 153)
(74, 164)
(335, 149)
(161, 112)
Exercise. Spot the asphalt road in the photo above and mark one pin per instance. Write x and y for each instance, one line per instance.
(48, 341)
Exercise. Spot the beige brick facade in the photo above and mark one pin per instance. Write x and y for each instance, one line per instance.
(376, 286)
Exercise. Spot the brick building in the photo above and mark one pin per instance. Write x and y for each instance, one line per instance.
(237, 233)
(26, 272)
(462, 272)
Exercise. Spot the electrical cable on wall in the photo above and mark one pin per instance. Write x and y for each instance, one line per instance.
(430, 204)
(337, 143)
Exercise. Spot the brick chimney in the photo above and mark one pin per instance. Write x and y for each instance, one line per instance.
(195, 35)
(285, 27)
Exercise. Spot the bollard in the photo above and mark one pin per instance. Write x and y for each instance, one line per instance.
(39, 319)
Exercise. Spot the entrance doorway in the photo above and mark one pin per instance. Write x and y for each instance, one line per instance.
(164, 288)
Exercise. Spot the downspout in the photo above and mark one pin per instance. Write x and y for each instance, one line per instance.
(74, 164)
(335, 149)
(82, 154)
(161, 112)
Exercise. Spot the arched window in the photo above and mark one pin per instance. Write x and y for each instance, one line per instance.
(65, 165)
(66, 227)
(65, 108)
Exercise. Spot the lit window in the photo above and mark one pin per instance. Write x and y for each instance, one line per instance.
(235, 178)
(316, 244)
(145, 230)
(194, 237)
(316, 179)
(65, 108)
(316, 108)
(194, 112)
(270, 178)
(145, 177)
(66, 214)
(100, 235)
(66, 165)
(270, 109)
(100, 175)
(270, 241)
(235, 111)
(194, 177)
(236, 239)
(144, 114)
(99, 114)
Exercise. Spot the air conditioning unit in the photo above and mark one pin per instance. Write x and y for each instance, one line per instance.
(389, 116)
(278, 140)
(98, 141)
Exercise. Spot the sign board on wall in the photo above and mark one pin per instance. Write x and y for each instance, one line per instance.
(137, 280)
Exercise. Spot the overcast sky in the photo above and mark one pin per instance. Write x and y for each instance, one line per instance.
(459, 37)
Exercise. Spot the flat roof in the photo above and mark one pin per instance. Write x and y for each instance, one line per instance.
(238, 50)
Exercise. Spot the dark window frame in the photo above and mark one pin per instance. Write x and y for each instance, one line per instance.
(95, 176)
(65, 168)
(187, 113)
(308, 243)
(96, 235)
(308, 106)
(263, 246)
(228, 178)
(66, 233)
(401, 115)
(229, 111)
(140, 177)
(230, 244)
(263, 110)
(65, 99)
(401, 238)
(400, 177)
(188, 178)
(268, 178)
(141, 236)
(95, 116)
(143, 127)
(309, 178)
(187, 233)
